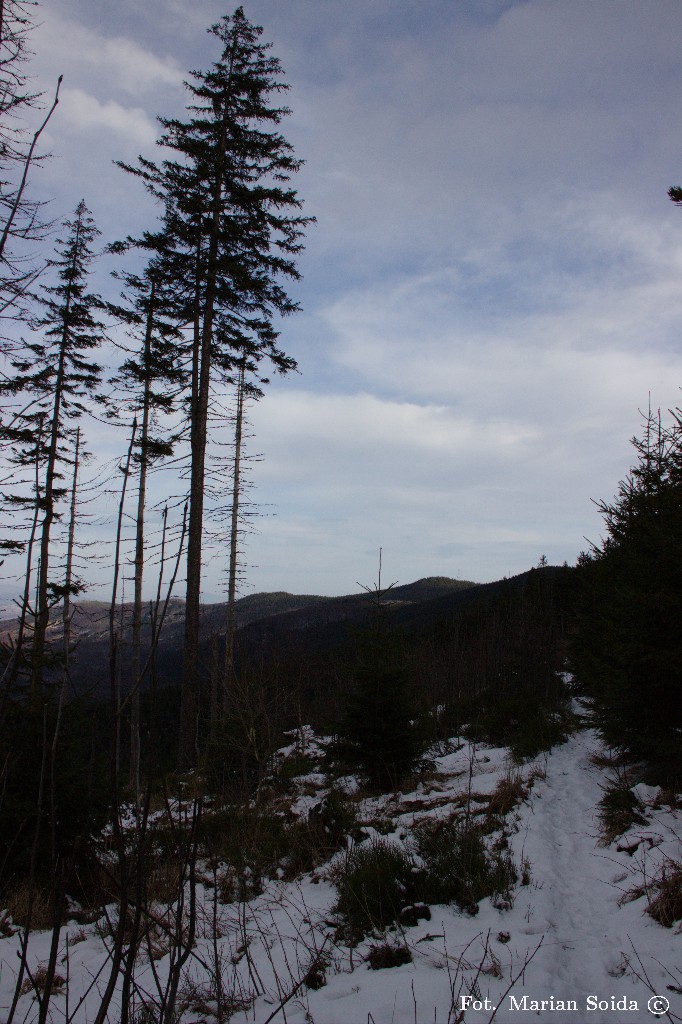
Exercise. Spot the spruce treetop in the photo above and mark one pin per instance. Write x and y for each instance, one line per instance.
(229, 216)
(67, 321)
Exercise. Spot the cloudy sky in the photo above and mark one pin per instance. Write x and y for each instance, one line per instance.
(493, 287)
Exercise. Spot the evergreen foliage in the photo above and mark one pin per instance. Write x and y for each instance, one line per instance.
(54, 786)
(378, 733)
(504, 658)
(150, 379)
(380, 883)
(627, 653)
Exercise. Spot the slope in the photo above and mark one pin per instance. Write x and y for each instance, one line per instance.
(563, 946)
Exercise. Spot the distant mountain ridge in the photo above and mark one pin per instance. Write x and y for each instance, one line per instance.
(326, 622)
(263, 619)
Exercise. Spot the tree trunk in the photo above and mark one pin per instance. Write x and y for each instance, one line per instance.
(66, 611)
(139, 558)
(234, 535)
(113, 637)
(42, 619)
(201, 377)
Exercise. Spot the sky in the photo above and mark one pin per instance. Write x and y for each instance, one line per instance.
(492, 290)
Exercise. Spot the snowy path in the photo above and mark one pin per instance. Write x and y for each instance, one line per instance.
(574, 891)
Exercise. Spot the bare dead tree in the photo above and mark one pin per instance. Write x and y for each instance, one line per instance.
(21, 218)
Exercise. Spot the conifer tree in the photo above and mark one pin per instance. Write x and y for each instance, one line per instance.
(627, 649)
(56, 375)
(231, 231)
(377, 732)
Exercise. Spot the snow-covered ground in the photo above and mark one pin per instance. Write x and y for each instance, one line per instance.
(572, 947)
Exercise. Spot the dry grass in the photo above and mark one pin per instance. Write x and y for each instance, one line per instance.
(39, 980)
(509, 792)
(79, 936)
(619, 808)
(525, 871)
(538, 773)
(202, 1000)
(381, 824)
(665, 895)
(492, 965)
(426, 803)
(163, 882)
(608, 759)
(17, 902)
(156, 934)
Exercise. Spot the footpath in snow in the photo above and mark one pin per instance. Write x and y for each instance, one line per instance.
(590, 956)
(594, 944)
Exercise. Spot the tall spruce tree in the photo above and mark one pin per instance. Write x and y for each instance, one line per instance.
(231, 230)
(58, 379)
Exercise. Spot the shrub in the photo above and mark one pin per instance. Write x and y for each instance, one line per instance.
(521, 718)
(330, 822)
(257, 843)
(75, 797)
(374, 883)
(310, 843)
(388, 955)
(458, 866)
(251, 842)
(315, 977)
(506, 648)
(619, 809)
(146, 1013)
(379, 881)
(333, 818)
(291, 768)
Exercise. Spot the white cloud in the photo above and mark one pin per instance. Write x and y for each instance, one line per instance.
(80, 112)
(380, 431)
(112, 62)
(596, 298)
